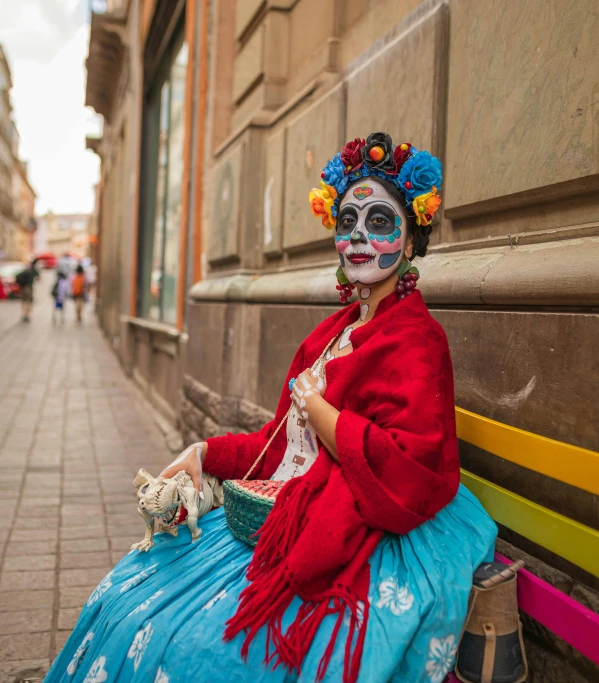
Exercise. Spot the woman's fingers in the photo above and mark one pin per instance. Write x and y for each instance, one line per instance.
(195, 477)
(190, 461)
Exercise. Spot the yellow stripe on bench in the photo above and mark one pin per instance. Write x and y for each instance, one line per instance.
(569, 539)
(569, 464)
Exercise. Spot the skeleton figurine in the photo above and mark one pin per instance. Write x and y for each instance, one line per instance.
(162, 500)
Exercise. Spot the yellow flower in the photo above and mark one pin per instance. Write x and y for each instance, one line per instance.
(425, 206)
(321, 203)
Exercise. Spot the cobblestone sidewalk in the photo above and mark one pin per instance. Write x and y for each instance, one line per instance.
(73, 433)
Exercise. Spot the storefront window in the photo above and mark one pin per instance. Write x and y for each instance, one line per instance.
(161, 220)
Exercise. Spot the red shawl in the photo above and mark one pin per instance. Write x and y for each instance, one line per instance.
(396, 441)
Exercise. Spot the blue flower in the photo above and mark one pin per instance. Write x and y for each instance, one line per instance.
(423, 171)
(334, 174)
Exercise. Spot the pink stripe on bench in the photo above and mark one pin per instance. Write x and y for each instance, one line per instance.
(561, 614)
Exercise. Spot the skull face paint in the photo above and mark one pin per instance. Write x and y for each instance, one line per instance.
(370, 233)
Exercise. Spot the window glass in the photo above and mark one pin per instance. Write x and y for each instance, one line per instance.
(156, 278)
(174, 185)
(163, 192)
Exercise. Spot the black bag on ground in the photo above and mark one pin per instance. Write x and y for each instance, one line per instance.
(491, 649)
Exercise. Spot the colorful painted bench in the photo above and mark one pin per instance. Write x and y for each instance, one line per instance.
(565, 617)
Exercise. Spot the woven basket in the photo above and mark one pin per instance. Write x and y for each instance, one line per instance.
(247, 504)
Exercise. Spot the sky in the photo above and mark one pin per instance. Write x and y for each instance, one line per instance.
(46, 45)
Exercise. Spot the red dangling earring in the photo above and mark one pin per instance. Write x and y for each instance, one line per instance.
(407, 283)
(344, 292)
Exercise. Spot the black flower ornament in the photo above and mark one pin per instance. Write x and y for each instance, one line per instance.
(378, 152)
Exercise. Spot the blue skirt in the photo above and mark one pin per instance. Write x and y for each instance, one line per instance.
(160, 616)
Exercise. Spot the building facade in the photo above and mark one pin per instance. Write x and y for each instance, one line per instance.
(7, 228)
(23, 211)
(17, 197)
(220, 115)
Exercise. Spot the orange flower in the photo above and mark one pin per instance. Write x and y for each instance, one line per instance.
(321, 203)
(425, 206)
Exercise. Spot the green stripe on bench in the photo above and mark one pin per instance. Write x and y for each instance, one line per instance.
(569, 539)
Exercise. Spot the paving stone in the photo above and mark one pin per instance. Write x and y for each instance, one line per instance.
(14, 647)
(29, 563)
(28, 621)
(11, 601)
(60, 640)
(80, 501)
(80, 533)
(38, 511)
(127, 530)
(125, 542)
(23, 523)
(75, 597)
(71, 578)
(38, 502)
(84, 560)
(117, 555)
(74, 521)
(43, 547)
(23, 670)
(67, 617)
(32, 536)
(38, 580)
(82, 510)
(84, 545)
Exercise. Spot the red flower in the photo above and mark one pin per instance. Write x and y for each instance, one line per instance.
(401, 154)
(352, 153)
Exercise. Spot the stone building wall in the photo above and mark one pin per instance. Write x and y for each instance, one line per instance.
(506, 95)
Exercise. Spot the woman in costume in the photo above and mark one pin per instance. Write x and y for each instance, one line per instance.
(364, 566)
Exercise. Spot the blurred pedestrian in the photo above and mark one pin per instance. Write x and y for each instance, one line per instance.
(60, 292)
(25, 280)
(79, 290)
(65, 265)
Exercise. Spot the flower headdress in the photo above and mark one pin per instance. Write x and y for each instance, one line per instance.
(417, 174)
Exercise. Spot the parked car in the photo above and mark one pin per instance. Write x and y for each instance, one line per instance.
(8, 275)
(46, 260)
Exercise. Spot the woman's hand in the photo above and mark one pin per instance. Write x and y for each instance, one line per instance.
(191, 461)
(305, 387)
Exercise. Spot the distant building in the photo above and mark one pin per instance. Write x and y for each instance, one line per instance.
(17, 197)
(23, 197)
(7, 229)
(63, 234)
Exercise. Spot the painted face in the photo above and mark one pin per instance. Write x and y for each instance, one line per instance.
(370, 234)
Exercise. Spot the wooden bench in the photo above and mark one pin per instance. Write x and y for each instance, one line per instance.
(571, 621)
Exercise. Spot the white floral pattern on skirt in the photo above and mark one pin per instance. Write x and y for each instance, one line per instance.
(441, 653)
(140, 644)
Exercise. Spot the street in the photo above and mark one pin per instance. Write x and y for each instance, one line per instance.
(73, 433)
